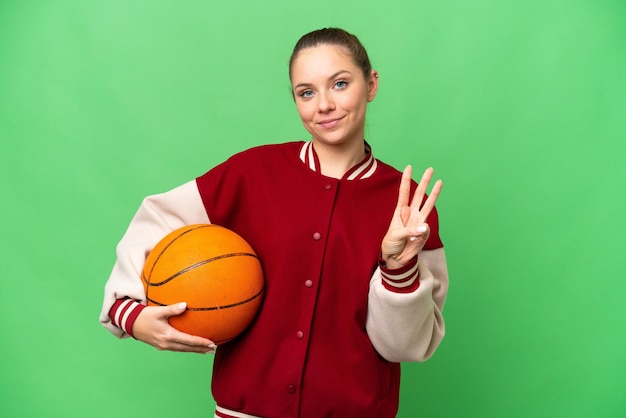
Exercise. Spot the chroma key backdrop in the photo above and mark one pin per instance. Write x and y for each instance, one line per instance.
(519, 106)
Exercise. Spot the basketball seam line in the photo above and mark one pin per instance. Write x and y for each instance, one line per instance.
(200, 263)
(201, 226)
(216, 308)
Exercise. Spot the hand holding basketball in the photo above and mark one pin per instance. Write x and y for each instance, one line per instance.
(215, 272)
(152, 327)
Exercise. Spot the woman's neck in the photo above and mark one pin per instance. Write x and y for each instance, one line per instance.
(336, 160)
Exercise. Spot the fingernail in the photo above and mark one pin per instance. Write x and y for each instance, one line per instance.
(413, 238)
(421, 228)
(182, 305)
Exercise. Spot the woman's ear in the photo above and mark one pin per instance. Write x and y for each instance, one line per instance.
(372, 86)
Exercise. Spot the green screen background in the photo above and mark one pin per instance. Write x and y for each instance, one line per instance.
(519, 106)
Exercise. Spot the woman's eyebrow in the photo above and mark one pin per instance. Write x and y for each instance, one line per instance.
(338, 73)
(335, 75)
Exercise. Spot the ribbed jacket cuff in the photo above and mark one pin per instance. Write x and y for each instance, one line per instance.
(123, 314)
(401, 280)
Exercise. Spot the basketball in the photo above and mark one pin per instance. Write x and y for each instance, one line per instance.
(215, 271)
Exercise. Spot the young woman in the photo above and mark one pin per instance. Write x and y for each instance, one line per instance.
(355, 270)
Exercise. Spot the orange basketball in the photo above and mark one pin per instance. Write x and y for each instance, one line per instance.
(215, 271)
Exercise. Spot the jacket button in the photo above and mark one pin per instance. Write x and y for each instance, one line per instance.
(317, 236)
(299, 335)
(308, 283)
(328, 186)
(291, 389)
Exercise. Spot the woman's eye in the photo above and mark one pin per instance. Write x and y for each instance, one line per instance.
(341, 84)
(306, 94)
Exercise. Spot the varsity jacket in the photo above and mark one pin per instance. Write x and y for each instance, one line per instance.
(335, 323)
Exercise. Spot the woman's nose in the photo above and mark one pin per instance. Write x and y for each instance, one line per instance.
(326, 102)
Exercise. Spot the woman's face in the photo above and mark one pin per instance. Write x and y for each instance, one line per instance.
(331, 94)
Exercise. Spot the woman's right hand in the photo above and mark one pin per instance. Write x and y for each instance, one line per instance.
(152, 327)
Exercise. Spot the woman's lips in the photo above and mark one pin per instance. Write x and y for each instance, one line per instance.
(329, 123)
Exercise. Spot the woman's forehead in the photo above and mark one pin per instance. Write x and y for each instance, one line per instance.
(322, 61)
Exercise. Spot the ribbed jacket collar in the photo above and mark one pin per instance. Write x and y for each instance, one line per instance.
(362, 170)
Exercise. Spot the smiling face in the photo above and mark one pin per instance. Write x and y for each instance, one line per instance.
(331, 94)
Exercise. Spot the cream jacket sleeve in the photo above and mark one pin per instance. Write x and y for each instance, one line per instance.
(157, 216)
(409, 326)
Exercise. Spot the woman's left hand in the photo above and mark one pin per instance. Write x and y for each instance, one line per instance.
(408, 230)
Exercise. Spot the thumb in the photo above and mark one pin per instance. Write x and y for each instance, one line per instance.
(176, 309)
